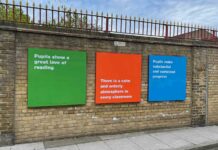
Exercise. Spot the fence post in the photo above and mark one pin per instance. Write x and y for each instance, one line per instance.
(166, 32)
(13, 10)
(214, 36)
(20, 11)
(6, 9)
(106, 24)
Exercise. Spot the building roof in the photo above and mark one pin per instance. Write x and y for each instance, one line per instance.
(201, 34)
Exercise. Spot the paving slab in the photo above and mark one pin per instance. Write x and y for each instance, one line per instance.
(171, 140)
(206, 132)
(29, 146)
(5, 148)
(147, 142)
(213, 128)
(177, 139)
(122, 144)
(100, 145)
(191, 137)
(118, 136)
(69, 147)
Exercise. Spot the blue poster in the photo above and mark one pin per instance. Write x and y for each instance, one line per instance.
(167, 78)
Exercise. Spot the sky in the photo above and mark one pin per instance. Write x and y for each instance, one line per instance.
(199, 12)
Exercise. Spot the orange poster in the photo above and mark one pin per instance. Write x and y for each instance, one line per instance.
(118, 78)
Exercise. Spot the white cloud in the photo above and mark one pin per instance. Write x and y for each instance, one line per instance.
(191, 11)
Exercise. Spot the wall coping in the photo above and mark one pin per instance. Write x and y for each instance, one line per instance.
(103, 35)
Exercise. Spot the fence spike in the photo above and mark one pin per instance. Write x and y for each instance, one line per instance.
(6, 1)
(211, 28)
(20, 3)
(171, 23)
(195, 27)
(215, 32)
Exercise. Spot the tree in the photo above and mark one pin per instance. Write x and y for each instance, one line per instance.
(72, 19)
(15, 15)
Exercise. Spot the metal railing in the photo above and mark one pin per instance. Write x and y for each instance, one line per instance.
(80, 20)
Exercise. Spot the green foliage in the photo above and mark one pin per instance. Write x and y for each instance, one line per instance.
(72, 19)
(17, 16)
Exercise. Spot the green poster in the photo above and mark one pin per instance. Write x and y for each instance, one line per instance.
(56, 77)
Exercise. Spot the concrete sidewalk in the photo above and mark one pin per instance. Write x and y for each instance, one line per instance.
(174, 139)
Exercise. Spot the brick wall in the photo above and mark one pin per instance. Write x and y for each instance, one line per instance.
(48, 123)
(7, 86)
(199, 86)
(212, 86)
(36, 124)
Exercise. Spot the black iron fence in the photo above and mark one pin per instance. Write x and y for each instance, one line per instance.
(100, 22)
